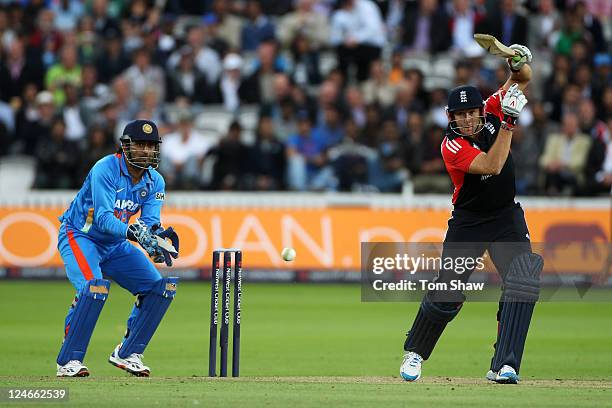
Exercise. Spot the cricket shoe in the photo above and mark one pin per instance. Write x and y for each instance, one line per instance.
(132, 364)
(410, 370)
(73, 368)
(507, 375)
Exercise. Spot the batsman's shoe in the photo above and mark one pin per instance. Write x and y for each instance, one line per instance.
(507, 375)
(410, 369)
(132, 364)
(73, 368)
(491, 375)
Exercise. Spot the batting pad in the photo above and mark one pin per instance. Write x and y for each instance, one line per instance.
(521, 291)
(428, 326)
(86, 310)
(148, 313)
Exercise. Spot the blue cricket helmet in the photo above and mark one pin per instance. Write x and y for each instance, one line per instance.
(140, 130)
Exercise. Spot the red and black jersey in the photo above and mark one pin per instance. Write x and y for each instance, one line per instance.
(479, 192)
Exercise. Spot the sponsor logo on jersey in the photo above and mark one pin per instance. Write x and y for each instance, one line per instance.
(160, 196)
(126, 205)
(489, 126)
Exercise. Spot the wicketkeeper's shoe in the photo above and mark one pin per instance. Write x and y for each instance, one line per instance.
(132, 364)
(410, 369)
(73, 368)
(507, 375)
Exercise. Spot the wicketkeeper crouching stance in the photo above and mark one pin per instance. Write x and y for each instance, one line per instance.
(476, 152)
(93, 241)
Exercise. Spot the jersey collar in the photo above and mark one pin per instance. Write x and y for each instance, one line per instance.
(123, 166)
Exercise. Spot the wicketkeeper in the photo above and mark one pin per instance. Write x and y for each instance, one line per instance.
(93, 245)
(476, 152)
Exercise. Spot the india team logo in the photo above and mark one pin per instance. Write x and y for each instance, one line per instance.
(148, 129)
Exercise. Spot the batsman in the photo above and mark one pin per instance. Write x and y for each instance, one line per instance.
(485, 216)
(93, 244)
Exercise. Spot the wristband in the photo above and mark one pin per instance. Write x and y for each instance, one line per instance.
(507, 126)
(511, 120)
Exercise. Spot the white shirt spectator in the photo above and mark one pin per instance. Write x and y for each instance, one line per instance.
(363, 24)
(178, 150)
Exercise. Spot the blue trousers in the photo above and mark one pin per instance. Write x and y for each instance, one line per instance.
(122, 262)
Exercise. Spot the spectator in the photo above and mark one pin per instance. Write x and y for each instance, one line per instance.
(259, 85)
(358, 34)
(390, 173)
(99, 144)
(601, 180)
(228, 27)
(230, 89)
(404, 104)
(72, 116)
(207, 59)
(424, 158)
(185, 81)
(112, 60)
(425, 30)
(541, 126)
(38, 127)
(45, 39)
(231, 160)
(356, 106)
(104, 23)
(267, 158)
(141, 75)
(564, 158)
(396, 71)
(67, 13)
(543, 25)
(183, 154)
(352, 162)
(369, 131)
(306, 157)
(306, 70)
(463, 23)
(525, 154)
(18, 69)
(605, 109)
(259, 28)
(377, 89)
(330, 131)
(508, 25)
(67, 70)
(589, 124)
(592, 25)
(58, 159)
(306, 23)
(25, 117)
(571, 32)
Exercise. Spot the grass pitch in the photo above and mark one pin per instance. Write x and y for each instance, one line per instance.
(307, 345)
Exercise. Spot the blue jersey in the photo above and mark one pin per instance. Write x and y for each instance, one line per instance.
(107, 200)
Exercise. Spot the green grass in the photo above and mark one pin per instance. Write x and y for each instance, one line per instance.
(323, 344)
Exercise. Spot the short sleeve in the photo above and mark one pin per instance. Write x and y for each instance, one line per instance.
(493, 104)
(458, 154)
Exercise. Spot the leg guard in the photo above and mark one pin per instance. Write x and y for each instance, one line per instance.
(521, 292)
(428, 325)
(146, 316)
(82, 319)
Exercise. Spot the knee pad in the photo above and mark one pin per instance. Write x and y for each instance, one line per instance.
(522, 282)
(146, 316)
(85, 312)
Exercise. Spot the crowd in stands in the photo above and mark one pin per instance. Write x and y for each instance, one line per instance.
(348, 95)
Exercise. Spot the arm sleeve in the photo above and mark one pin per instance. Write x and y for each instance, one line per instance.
(458, 154)
(150, 212)
(493, 104)
(103, 195)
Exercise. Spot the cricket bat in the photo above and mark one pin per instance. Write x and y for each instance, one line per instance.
(495, 47)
